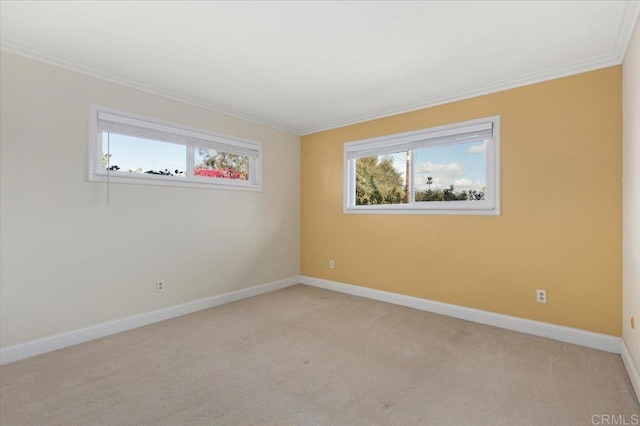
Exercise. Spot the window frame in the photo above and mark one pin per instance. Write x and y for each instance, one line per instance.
(429, 137)
(192, 138)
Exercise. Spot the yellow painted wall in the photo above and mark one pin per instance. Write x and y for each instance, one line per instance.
(561, 222)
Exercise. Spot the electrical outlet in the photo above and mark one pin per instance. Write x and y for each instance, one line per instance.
(541, 296)
(159, 286)
(332, 264)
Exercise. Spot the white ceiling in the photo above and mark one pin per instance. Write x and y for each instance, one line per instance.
(309, 66)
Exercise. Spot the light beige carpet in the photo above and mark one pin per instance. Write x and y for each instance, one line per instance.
(306, 356)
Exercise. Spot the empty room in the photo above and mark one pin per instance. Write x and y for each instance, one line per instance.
(320, 213)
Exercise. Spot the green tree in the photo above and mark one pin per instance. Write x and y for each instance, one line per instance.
(378, 182)
(449, 194)
(106, 163)
(429, 182)
(224, 161)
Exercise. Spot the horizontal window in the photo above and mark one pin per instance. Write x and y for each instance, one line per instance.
(130, 148)
(452, 169)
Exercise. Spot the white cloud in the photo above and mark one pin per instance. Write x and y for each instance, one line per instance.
(465, 184)
(451, 169)
(476, 149)
(436, 183)
(442, 174)
(430, 167)
(454, 168)
(440, 182)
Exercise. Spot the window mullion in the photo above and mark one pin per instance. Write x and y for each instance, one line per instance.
(453, 170)
(190, 162)
(163, 145)
(412, 181)
(352, 180)
(253, 170)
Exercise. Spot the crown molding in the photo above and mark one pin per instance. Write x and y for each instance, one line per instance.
(458, 95)
(71, 65)
(625, 31)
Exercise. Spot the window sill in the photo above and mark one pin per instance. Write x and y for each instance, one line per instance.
(175, 182)
(383, 210)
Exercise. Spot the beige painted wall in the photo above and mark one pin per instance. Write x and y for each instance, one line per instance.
(69, 261)
(560, 229)
(631, 197)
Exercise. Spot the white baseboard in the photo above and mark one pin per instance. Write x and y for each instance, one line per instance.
(59, 341)
(576, 336)
(565, 334)
(632, 368)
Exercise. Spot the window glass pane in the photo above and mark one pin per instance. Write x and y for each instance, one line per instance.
(218, 164)
(137, 155)
(455, 172)
(382, 179)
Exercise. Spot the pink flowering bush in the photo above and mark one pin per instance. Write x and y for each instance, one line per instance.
(219, 173)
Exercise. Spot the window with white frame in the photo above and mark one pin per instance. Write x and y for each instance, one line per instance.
(450, 169)
(131, 148)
